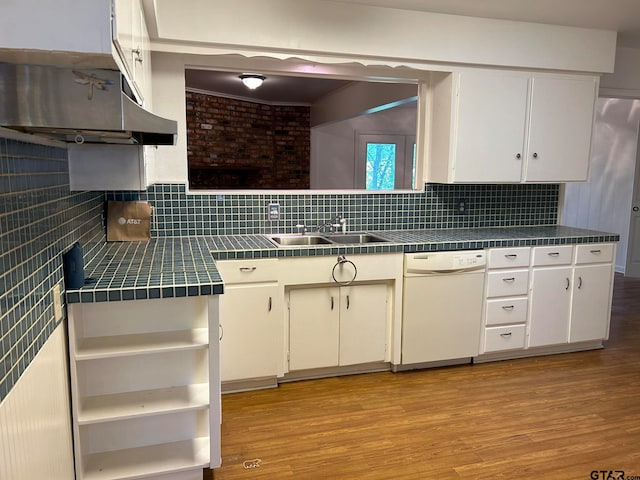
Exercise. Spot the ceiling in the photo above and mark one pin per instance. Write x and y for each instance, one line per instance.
(275, 89)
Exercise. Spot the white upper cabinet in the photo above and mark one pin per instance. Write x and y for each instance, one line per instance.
(510, 127)
(560, 125)
(131, 40)
(490, 129)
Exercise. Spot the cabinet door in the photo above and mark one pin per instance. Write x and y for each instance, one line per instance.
(550, 306)
(251, 330)
(490, 129)
(314, 315)
(363, 324)
(590, 308)
(561, 121)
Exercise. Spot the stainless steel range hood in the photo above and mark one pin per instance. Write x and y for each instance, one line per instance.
(77, 105)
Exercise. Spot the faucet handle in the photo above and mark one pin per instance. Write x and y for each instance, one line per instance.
(301, 228)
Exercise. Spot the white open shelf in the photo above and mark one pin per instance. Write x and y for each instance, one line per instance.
(90, 348)
(102, 408)
(145, 462)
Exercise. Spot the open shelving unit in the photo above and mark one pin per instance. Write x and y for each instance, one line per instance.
(143, 377)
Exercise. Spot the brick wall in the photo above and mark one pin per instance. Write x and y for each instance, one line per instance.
(239, 144)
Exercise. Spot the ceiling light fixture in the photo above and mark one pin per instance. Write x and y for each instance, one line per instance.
(252, 80)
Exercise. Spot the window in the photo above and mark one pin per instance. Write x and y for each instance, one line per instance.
(385, 162)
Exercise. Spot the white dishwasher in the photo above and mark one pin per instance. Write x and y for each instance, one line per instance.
(442, 306)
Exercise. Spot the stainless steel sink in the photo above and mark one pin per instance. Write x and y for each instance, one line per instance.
(355, 238)
(298, 240)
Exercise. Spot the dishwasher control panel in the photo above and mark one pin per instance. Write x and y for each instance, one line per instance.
(440, 262)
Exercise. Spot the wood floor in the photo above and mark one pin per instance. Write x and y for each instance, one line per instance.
(553, 417)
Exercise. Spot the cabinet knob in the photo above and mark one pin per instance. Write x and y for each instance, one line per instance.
(518, 156)
(635, 209)
(535, 155)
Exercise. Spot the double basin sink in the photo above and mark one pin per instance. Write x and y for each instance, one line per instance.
(309, 239)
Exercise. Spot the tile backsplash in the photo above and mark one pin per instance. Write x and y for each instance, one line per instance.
(39, 219)
(178, 212)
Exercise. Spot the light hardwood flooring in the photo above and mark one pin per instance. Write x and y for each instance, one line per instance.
(552, 417)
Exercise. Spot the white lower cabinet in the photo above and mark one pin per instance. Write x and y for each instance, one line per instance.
(337, 326)
(571, 304)
(550, 306)
(506, 304)
(591, 305)
(145, 395)
(251, 320)
(250, 343)
(566, 300)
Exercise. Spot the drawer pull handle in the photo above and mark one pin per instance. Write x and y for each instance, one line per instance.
(509, 279)
(511, 255)
(270, 302)
(579, 283)
(331, 303)
(247, 269)
(507, 307)
(554, 254)
(221, 331)
(505, 334)
(596, 251)
(348, 303)
(567, 287)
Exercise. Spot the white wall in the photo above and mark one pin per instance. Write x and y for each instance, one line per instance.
(361, 31)
(333, 147)
(604, 203)
(625, 81)
(35, 418)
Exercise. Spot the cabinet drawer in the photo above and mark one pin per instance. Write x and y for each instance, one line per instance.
(552, 255)
(248, 271)
(506, 310)
(509, 257)
(507, 282)
(594, 253)
(503, 338)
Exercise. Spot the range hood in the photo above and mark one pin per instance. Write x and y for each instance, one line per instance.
(77, 105)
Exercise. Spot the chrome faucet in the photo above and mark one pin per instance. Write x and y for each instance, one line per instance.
(334, 225)
(302, 229)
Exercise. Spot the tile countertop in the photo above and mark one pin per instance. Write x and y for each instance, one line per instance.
(167, 267)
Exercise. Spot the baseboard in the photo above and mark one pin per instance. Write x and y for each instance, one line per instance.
(335, 371)
(439, 363)
(234, 386)
(538, 351)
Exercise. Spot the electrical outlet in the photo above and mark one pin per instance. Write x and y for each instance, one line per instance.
(462, 206)
(274, 211)
(57, 302)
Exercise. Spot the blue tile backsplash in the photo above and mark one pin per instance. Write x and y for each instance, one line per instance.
(178, 212)
(39, 219)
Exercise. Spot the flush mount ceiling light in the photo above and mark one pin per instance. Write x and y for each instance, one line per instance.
(252, 80)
